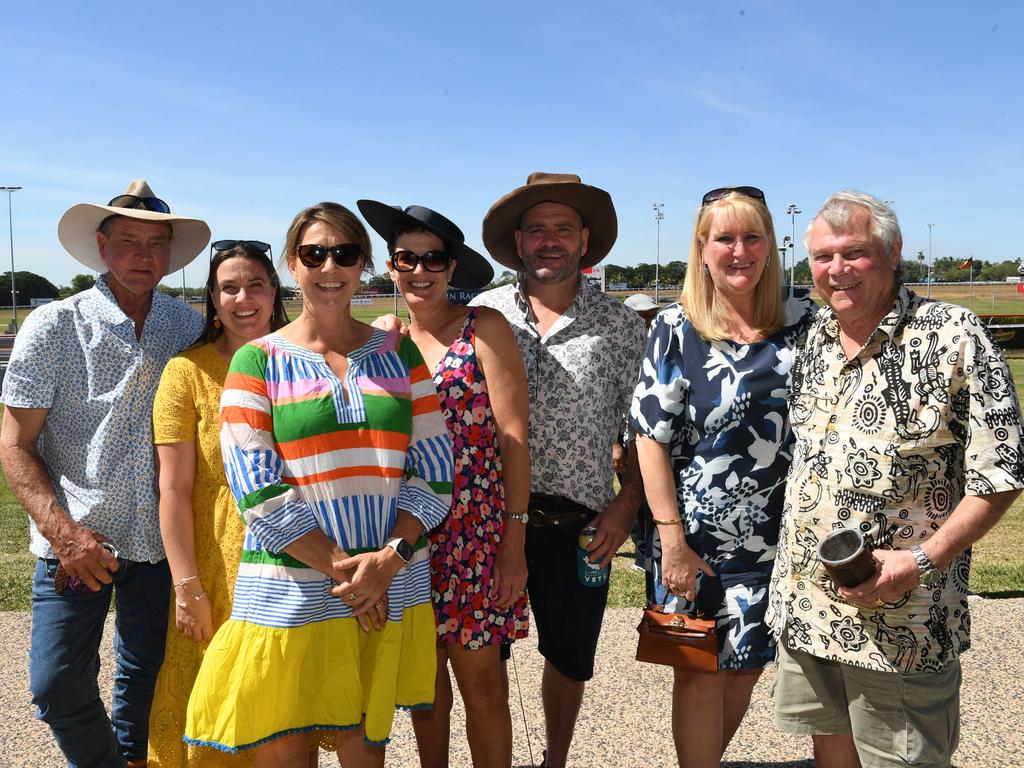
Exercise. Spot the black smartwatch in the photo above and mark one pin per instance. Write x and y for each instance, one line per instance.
(402, 548)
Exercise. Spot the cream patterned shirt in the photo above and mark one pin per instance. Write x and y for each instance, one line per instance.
(890, 442)
(581, 376)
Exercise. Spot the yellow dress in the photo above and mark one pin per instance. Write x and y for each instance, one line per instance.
(187, 407)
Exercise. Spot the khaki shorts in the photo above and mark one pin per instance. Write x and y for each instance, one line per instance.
(895, 719)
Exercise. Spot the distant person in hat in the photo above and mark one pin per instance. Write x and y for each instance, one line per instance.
(647, 308)
(644, 306)
(582, 351)
(477, 562)
(77, 447)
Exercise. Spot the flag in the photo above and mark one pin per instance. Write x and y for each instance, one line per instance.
(967, 263)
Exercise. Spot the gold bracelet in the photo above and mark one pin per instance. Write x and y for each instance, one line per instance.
(184, 581)
(675, 521)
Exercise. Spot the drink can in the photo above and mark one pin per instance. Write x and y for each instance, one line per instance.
(590, 574)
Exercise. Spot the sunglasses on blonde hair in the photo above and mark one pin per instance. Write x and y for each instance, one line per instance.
(718, 194)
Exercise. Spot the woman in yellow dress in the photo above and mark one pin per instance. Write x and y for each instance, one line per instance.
(199, 520)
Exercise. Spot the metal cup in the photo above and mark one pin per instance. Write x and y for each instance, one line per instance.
(847, 557)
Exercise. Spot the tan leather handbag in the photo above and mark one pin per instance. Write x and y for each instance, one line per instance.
(677, 640)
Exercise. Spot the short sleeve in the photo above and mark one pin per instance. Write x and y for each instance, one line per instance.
(658, 410)
(33, 370)
(632, 357)
(993, 458)
(175, 418)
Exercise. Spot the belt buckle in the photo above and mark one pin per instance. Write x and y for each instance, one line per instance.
(537, 517)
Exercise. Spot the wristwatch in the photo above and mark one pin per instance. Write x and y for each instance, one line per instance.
(928, 574)
(402, 548)
(523, 517)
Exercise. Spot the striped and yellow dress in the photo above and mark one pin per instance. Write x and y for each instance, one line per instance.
(304, 450)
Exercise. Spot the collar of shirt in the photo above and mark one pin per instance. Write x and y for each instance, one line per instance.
(581, 301)
(887, 326)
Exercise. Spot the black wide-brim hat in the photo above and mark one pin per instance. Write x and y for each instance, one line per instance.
(472, 270)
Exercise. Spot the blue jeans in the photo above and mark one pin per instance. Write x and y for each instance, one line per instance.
(64, 662)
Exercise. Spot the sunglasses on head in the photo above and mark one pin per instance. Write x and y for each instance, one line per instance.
(718, 194)
(250, 245)
(154, 204)
(432, 261)
(344, 255)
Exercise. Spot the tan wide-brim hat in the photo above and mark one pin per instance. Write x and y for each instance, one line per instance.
(594, 205)
(78, 225)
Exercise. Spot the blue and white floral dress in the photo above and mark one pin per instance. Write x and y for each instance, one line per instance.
(721, 408)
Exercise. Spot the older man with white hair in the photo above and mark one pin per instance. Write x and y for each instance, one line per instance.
(908, 430)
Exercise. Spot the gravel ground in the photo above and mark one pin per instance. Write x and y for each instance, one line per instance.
(626, 713)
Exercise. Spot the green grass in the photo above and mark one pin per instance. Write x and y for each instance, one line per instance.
(16, 563)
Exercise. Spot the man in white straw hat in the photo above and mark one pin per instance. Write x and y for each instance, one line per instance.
(582, 351)
(76, 445)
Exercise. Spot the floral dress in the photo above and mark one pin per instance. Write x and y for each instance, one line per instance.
(464, 548)
(721, 409)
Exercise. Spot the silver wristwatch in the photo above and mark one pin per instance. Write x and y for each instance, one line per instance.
(928, 574)
(522, 517)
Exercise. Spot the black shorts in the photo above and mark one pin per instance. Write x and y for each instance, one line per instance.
(566, 614)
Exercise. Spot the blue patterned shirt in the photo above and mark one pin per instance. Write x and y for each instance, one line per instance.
(80, 359)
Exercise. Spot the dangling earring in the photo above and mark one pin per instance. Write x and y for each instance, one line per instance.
(216, 322)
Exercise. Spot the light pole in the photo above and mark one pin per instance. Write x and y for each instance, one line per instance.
(658, 216)
(930, 260)
(792, 210)
(782, 255)
(14, 292)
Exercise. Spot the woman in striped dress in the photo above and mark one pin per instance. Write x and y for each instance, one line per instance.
(337, 453)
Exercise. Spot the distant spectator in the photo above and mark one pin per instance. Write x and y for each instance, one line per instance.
(644, 306)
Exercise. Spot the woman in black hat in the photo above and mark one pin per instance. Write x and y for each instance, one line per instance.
(478, 568)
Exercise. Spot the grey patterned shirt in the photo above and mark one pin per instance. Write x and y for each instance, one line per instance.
(889, 442)
(80, 359)
(581, 377)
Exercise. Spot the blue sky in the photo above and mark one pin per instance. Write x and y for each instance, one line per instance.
(244, 113)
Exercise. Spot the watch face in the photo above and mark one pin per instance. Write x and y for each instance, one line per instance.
(404, 549)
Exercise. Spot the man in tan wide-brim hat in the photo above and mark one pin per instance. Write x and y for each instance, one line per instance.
(582, 351)
(77, 447)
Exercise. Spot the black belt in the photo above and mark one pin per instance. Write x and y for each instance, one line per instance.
(547, 509)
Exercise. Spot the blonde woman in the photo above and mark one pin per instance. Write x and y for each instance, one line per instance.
(713, 441)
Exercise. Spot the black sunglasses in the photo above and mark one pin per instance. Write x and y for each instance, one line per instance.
(154, 204)
(344, 255)
(718, 194)
(432, 261)
(250, 245)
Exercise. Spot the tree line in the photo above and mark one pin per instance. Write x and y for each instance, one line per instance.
(637, 277)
